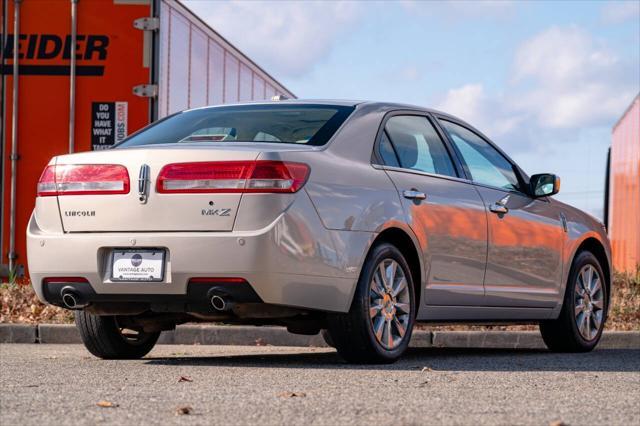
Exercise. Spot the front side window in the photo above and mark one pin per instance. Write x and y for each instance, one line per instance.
(307, 124)
(415, 144)
(485, 164)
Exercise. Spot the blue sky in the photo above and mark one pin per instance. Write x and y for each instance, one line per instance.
(546, 80)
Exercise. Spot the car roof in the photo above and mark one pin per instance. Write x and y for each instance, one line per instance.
(339, 102)
(344, 102)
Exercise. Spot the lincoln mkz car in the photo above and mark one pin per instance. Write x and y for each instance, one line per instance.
(350, 219)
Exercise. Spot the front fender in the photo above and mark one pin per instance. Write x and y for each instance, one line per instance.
(582, 231)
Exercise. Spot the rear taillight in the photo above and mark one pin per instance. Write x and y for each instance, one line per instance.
(232, 176)
(83, 179)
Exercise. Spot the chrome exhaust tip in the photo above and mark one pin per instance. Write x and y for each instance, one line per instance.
(71, 299)
(218, 303)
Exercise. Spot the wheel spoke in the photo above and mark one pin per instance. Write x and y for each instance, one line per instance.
(383, 275)
(399, 327)
(377, 287)
(582, 283)
(579, 308)
(598, 304)
(378, 327)
(375, 309)
(399, 287)
(403, 307)
(596, 287)
(581, 322)
(589, 276)
(597, 320)
(588, 326)
(391, 274)
(389, 337)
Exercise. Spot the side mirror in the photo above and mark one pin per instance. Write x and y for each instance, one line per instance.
(544, 185)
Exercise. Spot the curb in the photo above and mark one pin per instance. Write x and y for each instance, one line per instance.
(190, 334)
(18, 333)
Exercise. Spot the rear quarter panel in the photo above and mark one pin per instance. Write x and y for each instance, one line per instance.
(347, 191)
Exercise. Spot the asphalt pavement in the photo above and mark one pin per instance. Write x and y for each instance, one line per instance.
(44, 384)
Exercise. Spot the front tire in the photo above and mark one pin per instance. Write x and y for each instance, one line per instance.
(378, 327)
(584, 310)
(105, 338)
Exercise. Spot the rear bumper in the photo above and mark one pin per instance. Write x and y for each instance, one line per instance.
(291, 262)
(196, 299)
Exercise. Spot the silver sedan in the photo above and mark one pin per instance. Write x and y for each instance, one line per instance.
(354, 219)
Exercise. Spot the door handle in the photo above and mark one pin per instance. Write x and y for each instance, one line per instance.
(414, 194)
(498, 208)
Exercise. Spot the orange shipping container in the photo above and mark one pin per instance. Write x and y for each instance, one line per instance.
(129, 71)
(624, 190)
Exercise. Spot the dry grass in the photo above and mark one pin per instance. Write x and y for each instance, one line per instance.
(20, 305)
(625, 303)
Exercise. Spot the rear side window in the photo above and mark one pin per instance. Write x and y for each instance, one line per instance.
(277, 123)
(416, 145)
(387, 152)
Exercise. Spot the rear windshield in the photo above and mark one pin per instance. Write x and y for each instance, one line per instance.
(295, 124)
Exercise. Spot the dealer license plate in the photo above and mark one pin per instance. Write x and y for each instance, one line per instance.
(137, 265)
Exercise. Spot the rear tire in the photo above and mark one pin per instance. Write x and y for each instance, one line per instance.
(104, 338)
(377, 329)
(579, 326)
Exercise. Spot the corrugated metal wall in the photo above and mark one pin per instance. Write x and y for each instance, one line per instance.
(624, 207)
(198, 67)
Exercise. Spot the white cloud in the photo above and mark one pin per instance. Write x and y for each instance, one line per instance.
(468, 102)
(561, 79)
(616, 12)
(288, 38)
(488, 113)
(568, 79)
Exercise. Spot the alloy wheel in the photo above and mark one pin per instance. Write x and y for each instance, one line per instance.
(389, 304)
(588, 302)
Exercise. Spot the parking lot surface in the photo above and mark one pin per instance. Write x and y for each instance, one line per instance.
(63, 384)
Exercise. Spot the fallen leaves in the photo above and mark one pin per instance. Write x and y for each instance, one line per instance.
(107, 404)
(19, 304)
(185, 410)
(426, 369)
(184, 379)
(292, 395)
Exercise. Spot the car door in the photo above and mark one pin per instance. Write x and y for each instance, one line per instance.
(446, 213)
(524, 265)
